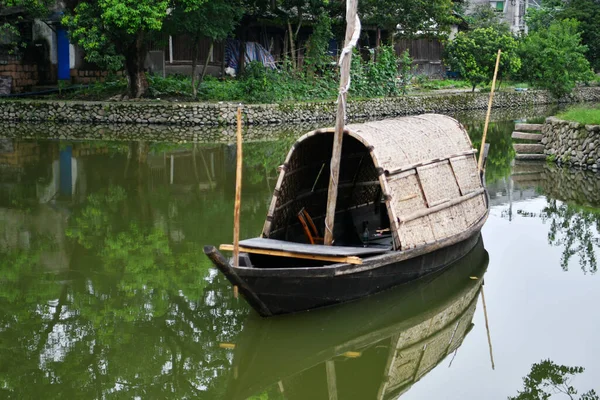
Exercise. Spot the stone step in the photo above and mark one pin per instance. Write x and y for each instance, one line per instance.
(530, 157)
(528, 127)
(527, 177)
(527, 136)
(529, 148)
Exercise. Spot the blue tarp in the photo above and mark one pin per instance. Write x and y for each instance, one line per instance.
(254, 52)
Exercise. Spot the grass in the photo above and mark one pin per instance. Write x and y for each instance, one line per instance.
(583, 115)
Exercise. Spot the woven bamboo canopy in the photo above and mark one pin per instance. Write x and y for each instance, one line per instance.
(423, 168)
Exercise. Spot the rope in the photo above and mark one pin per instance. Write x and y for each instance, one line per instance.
(343, 90)
(345, 51)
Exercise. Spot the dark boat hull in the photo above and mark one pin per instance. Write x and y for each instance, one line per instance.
(288, 291)
(283, 294)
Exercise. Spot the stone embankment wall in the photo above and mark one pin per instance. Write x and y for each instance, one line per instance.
(210, 133)
(222, 114)
(572, 143)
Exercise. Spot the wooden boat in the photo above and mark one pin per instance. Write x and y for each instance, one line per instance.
(332, 353)
(410, 201)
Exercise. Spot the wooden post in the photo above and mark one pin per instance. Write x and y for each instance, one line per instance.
(238, 197)
(352, 25)
(489, 111)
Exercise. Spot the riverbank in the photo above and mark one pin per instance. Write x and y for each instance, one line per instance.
(224, 114)
(213, 134)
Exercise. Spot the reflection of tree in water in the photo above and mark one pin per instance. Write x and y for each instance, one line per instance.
(547, 378)
(575, 228)
(262, 158)
(137, 314)
(501, 151)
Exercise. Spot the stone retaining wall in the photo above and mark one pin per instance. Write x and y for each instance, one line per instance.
(572, 143)
(221, 114)
(211, 133)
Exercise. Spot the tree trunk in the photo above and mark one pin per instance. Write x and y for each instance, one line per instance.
(135, 56)
(242, 55)
(292, 45)
(194, 64)
(210, 50)
(377, 43)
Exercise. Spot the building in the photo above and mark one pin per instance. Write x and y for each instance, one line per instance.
(513, 11)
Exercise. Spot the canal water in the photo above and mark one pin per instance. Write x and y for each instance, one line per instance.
(105, 291)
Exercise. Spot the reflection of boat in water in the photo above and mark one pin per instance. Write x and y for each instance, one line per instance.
(410, 201)
(374, 348)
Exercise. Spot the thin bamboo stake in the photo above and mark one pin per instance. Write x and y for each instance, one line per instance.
(489, 111)
(487, 328)
(238, 197)
(352, 34)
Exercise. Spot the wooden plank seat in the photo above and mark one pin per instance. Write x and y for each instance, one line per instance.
(304, 248)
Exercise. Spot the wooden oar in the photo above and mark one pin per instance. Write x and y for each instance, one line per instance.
(352, 34)
(489, 111)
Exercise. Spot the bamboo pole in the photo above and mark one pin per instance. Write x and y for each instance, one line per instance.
(487, 328)
(352, 34)
(238, 197)
(489, 111)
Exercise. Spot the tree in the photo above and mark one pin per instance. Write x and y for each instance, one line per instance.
(547, 378)
(214, 19)
(484, 16)
(554, 58)
(115, 32)
(587, 12)
(541, 17)
(24, 9)
(410, 16)
(473, 54)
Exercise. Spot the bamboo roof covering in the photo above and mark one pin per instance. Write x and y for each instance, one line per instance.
(423, 167)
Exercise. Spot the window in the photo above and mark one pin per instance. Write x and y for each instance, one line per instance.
(497, 5)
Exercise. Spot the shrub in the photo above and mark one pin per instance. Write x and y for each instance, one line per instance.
(473, 54)
(554, 58)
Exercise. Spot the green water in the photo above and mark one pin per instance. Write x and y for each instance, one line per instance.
(105, 291)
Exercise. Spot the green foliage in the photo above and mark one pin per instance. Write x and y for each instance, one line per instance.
(484, 16)
(547, 378)
(553, 58)
(587, 13)
(412, 15)
(12, 41)
(407, 71)
(172, 85)
(583, 115)
(115, 33)
(473, 54)
(317, 59)
(375, 78)
(540, 18)
(214, 19)
(427, 83)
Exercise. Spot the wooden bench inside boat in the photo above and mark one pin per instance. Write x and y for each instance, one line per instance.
(281, 248)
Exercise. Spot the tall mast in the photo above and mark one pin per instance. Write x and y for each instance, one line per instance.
(352, 34)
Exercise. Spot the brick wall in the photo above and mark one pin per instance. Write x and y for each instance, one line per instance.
(23, 75)
(84, 77)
